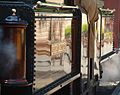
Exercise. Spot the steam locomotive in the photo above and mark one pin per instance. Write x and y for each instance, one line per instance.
(47, 50)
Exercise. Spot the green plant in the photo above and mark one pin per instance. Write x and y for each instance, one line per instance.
(84, 28)
(67, 31)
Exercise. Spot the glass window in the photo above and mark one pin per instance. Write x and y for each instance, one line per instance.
(53, 48)
(107, 35)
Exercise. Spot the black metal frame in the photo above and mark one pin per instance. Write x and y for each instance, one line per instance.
(71, 81)
(101, 58)
(27, 13)
(105, 13)
(73, 77)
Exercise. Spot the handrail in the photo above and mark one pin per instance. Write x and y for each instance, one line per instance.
(39, 3)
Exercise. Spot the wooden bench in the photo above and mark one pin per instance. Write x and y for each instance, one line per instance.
(48, 51)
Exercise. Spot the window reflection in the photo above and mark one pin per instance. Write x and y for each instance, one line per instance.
(84, 49)
(107, 35)
(53, 49)
(97, 47)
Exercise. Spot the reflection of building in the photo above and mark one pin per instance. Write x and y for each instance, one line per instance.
(53, 57)
(115, 4)
(50, 29)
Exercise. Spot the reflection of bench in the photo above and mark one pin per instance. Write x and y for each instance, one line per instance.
(47, 52)
(68, 51)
